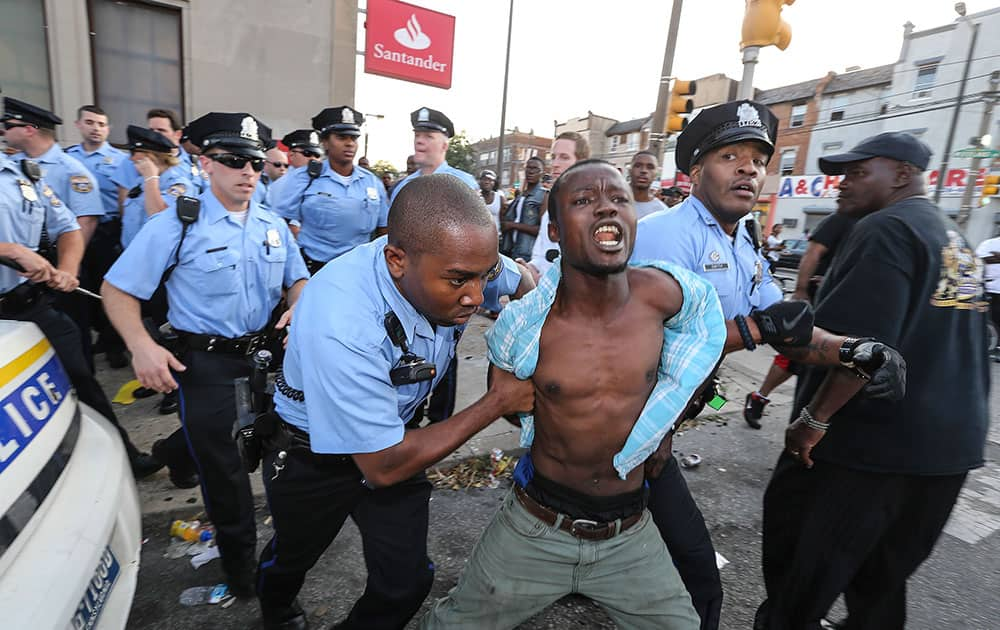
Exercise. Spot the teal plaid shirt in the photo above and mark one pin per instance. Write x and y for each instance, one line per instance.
(693, 341)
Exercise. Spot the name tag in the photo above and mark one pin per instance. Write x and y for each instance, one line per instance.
(719, 266)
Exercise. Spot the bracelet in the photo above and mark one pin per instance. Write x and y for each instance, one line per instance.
(741, 325)
(150, 177)
(808, 420)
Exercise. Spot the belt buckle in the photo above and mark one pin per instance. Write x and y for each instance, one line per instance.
(583, 525)
(253, 344)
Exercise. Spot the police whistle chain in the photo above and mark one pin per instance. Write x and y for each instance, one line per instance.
(16, 266)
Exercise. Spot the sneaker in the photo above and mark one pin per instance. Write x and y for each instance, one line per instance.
(753, 409)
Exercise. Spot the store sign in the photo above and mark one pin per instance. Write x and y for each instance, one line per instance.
(818, 186)
(404, 41)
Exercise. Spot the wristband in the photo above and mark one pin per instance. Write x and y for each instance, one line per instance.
(150, 177)
(807, 419)
(741, 325)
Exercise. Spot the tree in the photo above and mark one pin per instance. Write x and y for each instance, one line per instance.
(461, 155)
(381, 167)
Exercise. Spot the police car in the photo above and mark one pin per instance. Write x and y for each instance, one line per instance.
(69, 510)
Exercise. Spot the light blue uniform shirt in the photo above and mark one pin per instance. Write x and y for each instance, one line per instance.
(102, 164)
(335, 217)
(230, 275)
(70, 181)
(340, 356)
(275, 191)
(173, 183)
(23, 209)
(689, 236)
(444, 168)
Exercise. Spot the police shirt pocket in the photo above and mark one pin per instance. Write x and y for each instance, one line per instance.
(273, 261)
(218, 272)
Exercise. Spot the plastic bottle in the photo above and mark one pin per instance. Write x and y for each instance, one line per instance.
(198, 595)
(191, 531)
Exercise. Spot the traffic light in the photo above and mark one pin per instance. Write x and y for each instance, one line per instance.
(680, 105)
(991, 188)
(763, 26)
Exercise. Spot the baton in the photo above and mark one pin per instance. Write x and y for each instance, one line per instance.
(16, 266)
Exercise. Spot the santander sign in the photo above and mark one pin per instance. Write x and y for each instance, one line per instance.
(407, 42)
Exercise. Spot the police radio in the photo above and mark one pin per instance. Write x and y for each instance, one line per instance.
(410, 368)
(31, 170)
(314, 168)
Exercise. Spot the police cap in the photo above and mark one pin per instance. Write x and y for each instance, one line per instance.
(342, 121)
(142, 139)
(895, 145)
(14, 109)
(238, 133)
(729, 123)
(306, 139)
(426, 119)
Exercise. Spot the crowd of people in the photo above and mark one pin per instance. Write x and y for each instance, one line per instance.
(615, 307)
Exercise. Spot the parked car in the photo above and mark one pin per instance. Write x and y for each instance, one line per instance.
(70, 533)
(791, 256)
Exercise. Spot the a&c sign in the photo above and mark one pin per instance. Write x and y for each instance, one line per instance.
(408, 42)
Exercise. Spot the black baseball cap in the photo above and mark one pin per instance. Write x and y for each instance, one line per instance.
(895, 145)
(728, 123)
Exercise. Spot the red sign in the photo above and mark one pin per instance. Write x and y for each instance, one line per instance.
(407, 42)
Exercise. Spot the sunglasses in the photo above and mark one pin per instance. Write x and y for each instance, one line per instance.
(231, 160)
(312, 154)
(278, 164)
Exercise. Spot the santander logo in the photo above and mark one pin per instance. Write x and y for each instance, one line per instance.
(412, 36)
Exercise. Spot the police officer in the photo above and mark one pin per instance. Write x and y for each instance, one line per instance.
(102, 160)
(341, 205)
(163, 179)
(226, 262)
(432, 131)
(303, 148)
(24, 210)
(725, 151)
(373, 333)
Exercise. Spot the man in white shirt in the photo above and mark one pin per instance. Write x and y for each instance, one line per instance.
(989, 252)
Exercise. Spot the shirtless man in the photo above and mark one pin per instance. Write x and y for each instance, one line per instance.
(576, 522)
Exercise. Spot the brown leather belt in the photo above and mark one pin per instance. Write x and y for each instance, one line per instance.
(579, 528)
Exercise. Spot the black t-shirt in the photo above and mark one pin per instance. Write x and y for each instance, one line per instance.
(906, 276)
(830, 233)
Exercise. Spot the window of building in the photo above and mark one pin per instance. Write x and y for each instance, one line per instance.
(506, 154)
(798, 115)
(633, 142)
(24, 64)
(614, 143)
(137, 60)
(483, 157)
(830, 147)
(926, 77)
(838, 105)
(787, 165)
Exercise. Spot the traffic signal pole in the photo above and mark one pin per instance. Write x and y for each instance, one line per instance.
(750, 56)
(657, 135)
(989, 99)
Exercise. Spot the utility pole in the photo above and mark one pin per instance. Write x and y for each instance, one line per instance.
(503, 106)
(750, 56)
(989, 100)
(659, 123)
(943, 171)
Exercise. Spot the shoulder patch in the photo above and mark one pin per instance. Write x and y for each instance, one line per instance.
(80, 184)
(176, 190)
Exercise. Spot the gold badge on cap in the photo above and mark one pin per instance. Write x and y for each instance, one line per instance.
(28, 191)
(423, 115)
(80, 184)
(748, 116)
(347, 116)
(249, 129)
(313, 137)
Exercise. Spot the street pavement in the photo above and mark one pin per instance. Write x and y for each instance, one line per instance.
(955, 589)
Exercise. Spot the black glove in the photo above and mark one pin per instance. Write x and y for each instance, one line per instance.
(785, 323)
(885, 368)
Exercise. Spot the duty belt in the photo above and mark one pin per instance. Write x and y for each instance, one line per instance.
(245, 345)
(20, 298)
(579, 528)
